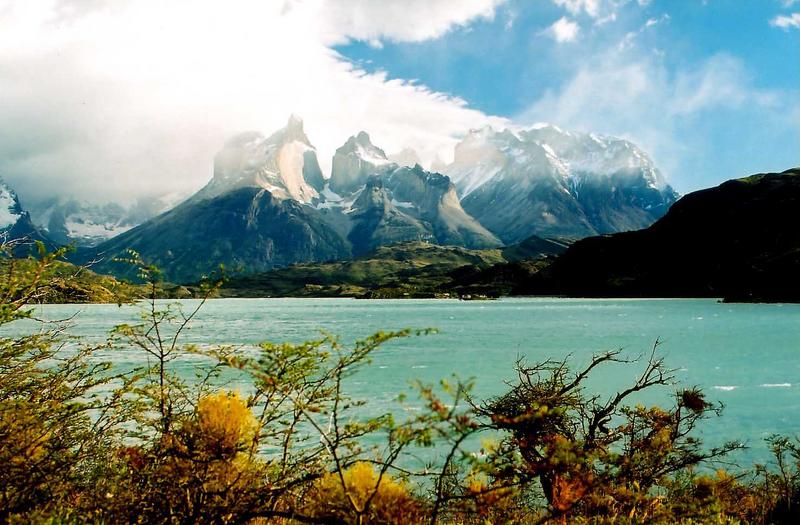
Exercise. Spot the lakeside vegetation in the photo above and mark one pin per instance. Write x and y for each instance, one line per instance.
(62, 282)
(81, 442)
(415, 270)
(406, 270)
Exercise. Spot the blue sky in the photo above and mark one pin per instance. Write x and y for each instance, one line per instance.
(733, 51)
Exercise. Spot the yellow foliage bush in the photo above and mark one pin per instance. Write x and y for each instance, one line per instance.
(387, 502)
(203, 468)
(224, 423)
(22, 435)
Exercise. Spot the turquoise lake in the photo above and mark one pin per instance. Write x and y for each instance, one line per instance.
(744, 355)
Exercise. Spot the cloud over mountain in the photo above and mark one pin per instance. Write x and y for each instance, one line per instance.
(108, 98)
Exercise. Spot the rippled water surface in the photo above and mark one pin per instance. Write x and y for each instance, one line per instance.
(747, 356)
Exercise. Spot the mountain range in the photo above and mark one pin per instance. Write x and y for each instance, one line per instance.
(85, 224)
(269, 205)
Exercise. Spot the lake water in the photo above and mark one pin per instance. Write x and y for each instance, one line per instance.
(745, 355)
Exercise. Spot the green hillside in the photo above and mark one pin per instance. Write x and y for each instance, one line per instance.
(416, 269)
(65, 283)
(738, 241)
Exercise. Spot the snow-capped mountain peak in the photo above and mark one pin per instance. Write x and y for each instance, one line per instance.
(285, 164)
(547, 125)
(10, 209)
(591, 154)
(292, 132)
(480, 156)
(70, 220)
(354, 162)
(544, 149)
(361, 146)
(547, 181)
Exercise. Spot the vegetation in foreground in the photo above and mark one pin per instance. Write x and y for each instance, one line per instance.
(83, 442)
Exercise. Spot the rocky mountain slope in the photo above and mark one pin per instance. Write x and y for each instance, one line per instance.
(548, 182)
(82, 223)
(285, 164)
(354, 162)
(386, 203)
(246, 229)
(16, 225)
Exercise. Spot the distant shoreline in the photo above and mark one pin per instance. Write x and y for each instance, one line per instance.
(720, 300)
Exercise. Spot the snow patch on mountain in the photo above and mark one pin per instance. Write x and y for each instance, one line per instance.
(10, 211)
(369, 153)
(480, 156)
(329, 195)
(355, 162)
(402, 204)
(486, 153)
(595, 155)
(93, 232)
(329, 199)
(87, 224)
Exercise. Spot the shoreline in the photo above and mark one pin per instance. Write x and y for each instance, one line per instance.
(717, 299)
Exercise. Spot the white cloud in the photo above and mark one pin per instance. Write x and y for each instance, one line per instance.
(563, 30)
(629, 40)
(786, 21)
(601, 11)
(590, 7)
(606, 19)
(118, 98)
(661, 111)
(408, 20)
